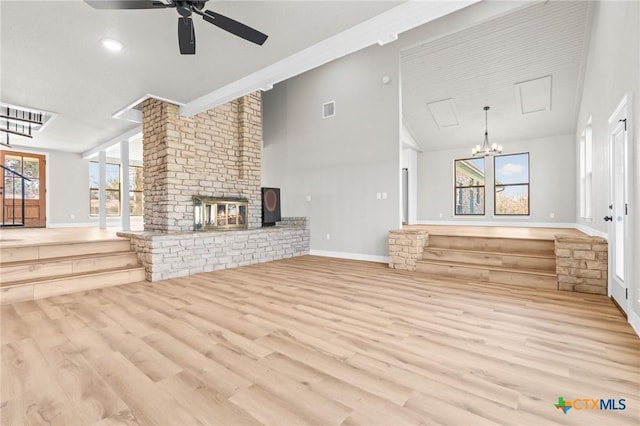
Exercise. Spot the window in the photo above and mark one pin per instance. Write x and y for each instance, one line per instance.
(136, 207)
(29, 167)
(586, 171)
(583, 153)
(112, 189)
(469, 188)
(511, 184)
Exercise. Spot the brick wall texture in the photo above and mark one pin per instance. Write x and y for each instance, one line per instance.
(581, 264)
(405, 248)
(171, 255)
(216, 153)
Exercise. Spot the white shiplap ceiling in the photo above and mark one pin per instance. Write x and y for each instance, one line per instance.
(480, 65)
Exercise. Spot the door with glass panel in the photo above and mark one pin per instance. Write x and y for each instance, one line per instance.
(32, 167)
(619, 231)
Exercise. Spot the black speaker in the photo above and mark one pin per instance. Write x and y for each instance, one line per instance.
(270, 206)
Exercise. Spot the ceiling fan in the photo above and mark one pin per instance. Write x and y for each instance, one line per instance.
(185, 8)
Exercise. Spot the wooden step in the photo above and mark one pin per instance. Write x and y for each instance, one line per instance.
(41, 268)
(492, 274)
(46, 287)
(491, 244)
(538, 262)
(53, 250)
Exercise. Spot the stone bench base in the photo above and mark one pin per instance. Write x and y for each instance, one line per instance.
(179, 254)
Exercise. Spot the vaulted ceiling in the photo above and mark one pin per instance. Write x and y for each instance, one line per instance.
(447, 82)
(51, 59)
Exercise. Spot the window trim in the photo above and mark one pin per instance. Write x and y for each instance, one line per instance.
(586, 173)
(456, 187)
(119, 190)
(582, 148)
(496, 185)
(141, 191)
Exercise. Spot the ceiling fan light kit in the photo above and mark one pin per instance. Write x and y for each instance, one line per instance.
(486, 150)
(185, 9)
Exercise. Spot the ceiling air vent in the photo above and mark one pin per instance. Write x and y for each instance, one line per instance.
(534, 95)
(444, 113)
(329, 109)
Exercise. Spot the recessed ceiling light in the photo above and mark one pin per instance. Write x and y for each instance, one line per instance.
(111, 44)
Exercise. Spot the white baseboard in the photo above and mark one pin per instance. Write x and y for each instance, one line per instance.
(634, 320)
(352, 256)
(521, 224)
(591, 232)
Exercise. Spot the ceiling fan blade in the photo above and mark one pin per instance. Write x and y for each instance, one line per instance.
(128, 4)
(235, 27)
(186, 36)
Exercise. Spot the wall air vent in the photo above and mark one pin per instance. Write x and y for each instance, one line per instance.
(329, 109)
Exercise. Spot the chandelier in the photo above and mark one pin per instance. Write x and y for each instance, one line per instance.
(486, 149)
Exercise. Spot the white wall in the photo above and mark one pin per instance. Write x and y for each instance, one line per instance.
(69, 188)
(552, 163)
(612, 69)
(340, 162)
(344, 161)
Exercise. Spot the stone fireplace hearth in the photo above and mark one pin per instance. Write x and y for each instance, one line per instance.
(170, 255)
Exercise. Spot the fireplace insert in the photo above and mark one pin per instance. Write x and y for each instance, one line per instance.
(220, 213)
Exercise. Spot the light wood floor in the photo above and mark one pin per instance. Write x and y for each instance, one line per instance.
(315, 341)
(17, 237)
(496, 231)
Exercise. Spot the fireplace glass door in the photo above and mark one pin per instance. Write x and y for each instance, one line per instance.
(219, 213)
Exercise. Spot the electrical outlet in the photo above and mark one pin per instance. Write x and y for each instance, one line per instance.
(328, 236)
(552, 215)
(378, 196)
(72, 216)
(308, 197)
(384, 195)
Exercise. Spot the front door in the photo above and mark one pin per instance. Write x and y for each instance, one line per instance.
(619, 231)
(32, 167)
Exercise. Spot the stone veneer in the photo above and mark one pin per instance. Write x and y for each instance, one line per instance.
(171, 255)
(216, 153)
(581, 263)
(406, 247)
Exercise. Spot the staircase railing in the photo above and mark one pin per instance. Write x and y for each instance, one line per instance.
(11, 176)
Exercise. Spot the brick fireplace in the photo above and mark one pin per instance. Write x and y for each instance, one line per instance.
(216, 153)
(214, 156)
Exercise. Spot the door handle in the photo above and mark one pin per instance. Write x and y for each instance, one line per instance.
(608, 218)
